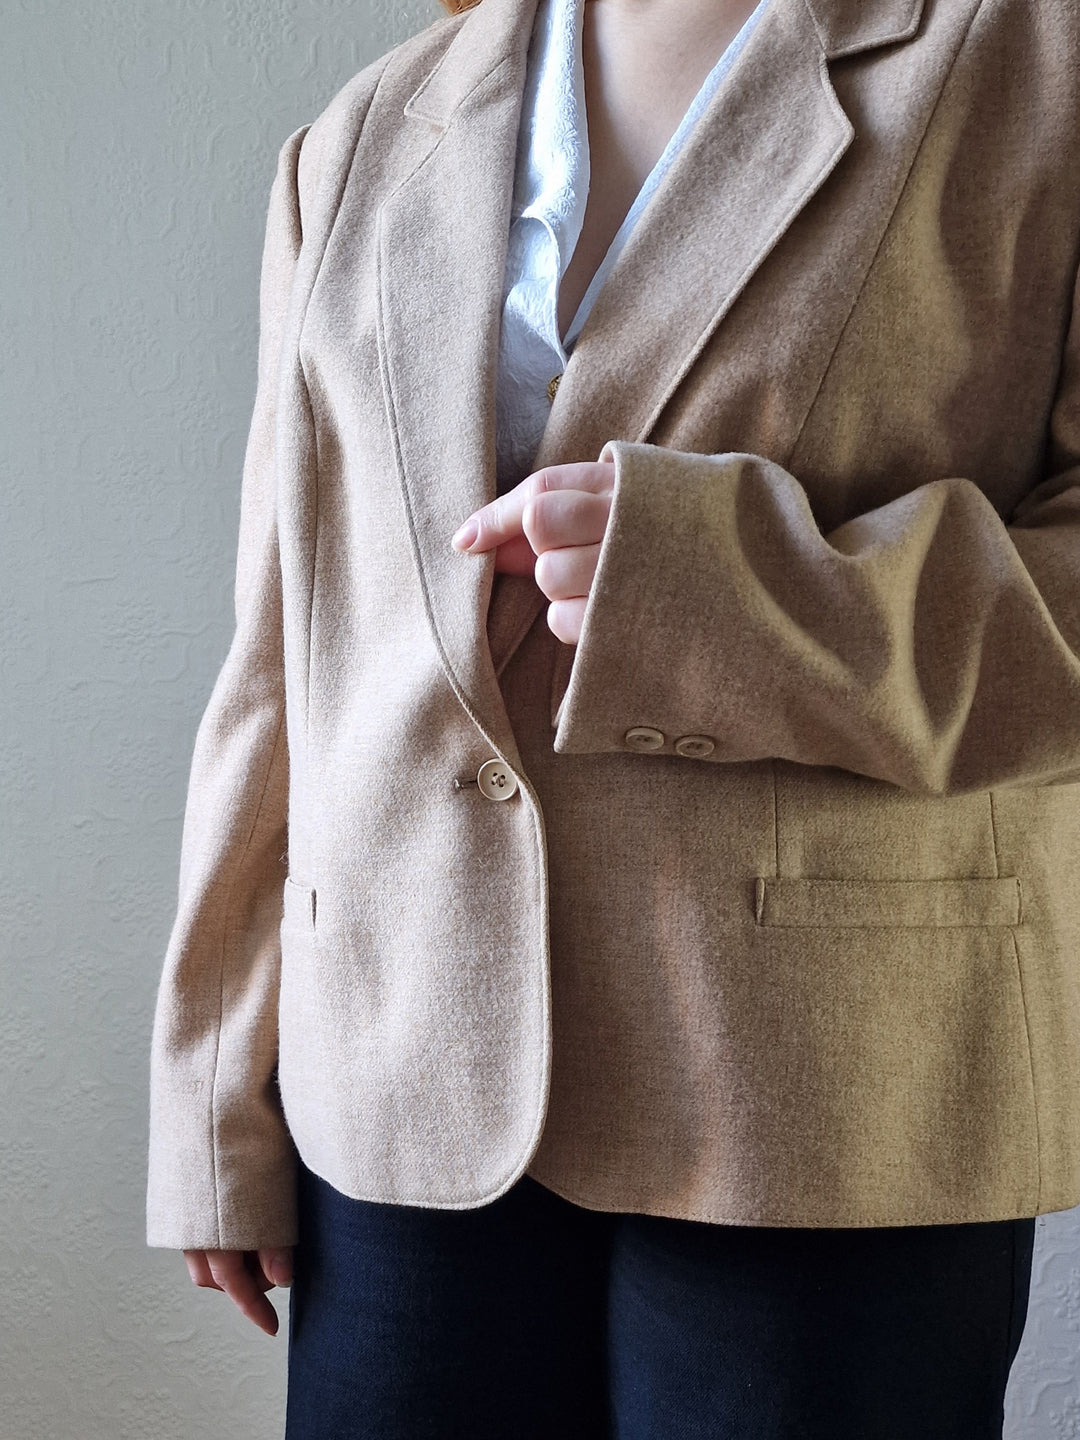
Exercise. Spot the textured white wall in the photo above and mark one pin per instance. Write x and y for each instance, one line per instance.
(139, 145)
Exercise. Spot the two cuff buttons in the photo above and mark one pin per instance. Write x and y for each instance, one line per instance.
(497, 781)
(644, 737)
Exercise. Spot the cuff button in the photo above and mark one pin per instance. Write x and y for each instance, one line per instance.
(695, 746)
(644, 737)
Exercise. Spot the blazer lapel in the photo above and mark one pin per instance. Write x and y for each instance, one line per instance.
(442, 243)
(769, 137)
(772, 133)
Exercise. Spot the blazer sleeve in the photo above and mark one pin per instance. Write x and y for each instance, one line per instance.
(221, 1161)
(929, 643)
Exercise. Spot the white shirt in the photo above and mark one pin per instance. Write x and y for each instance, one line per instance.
(551, 186)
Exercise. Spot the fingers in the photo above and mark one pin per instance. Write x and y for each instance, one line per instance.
(199, 1270)
(243, 1276)
(501, 519)
(565, 517)
(277, 1265)
(516, 556)
(567, 573)
(230, 1269)
(565, 618)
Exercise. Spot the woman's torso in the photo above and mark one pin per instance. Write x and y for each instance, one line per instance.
(729, 991)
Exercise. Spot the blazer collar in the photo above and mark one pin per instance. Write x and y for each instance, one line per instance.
(766, 142)
(492, 31)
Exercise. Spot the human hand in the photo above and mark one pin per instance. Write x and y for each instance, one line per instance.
(245, 1276)
(552, 523)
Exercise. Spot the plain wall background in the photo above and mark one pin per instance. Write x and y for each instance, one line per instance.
(140, 139)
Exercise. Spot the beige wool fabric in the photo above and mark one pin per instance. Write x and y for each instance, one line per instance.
(825, 972)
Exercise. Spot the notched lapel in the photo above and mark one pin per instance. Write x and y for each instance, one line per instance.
(769, 136)
(442, 243)
(766, 142)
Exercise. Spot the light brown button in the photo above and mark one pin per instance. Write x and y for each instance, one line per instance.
(496, 780)
(553, 385)
(696, 746)
(644, 737)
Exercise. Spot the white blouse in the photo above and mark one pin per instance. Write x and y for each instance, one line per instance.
(551, 186)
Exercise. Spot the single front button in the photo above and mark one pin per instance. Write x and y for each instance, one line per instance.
(496, 780)
(696, 746)
(553, 385)
(644, 737)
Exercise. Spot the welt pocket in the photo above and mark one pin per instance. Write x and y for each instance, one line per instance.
(803, 900)
(298, 904)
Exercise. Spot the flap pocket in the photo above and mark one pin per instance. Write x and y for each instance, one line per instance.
(298, 904)
(977, 900)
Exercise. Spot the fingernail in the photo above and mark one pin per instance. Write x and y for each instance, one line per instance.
(282, 1275)
(466, 535)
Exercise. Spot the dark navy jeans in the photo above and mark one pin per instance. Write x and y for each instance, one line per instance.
(532, 1318)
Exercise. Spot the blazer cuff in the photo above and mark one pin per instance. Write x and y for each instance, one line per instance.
(925, 643)
(617, 694)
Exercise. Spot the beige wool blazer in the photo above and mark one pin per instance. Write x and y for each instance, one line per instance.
(761, 905)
